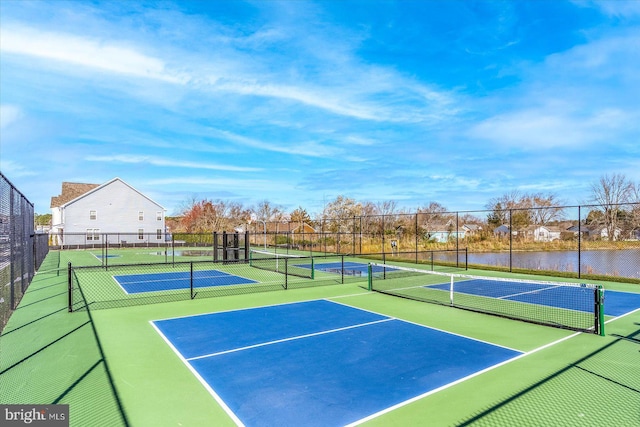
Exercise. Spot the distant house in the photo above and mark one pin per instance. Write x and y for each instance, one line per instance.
(83, 213)
(303, 228)
(501, 231)
(444, 236)
(575, 229)
(602, 232)
(471, 229)
(543, 233)
(445, 232)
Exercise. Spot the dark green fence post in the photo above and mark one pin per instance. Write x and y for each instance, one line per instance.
(70, 287)
(191, 279)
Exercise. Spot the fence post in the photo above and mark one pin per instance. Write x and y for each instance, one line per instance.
(70, 287)
(191, 279)
(246, 244)
(466, 258)
(457, 238)
(579, 243)
(510, 241)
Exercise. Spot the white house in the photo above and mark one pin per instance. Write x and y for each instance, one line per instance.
(83, 213)
(544, 233)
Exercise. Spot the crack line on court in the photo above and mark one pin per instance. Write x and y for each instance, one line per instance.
(289, 339)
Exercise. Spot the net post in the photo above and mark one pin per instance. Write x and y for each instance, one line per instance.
(600, 311)
(191, 279)
(369, 278)
(342, 268)
(313, 270)
(70, 288)
(286, 272)
(451, 291)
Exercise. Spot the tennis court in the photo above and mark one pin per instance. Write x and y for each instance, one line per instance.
(291, 350)
(349, 268)
(566, 297)
(553, 295)
(152, 282)
(319, 362)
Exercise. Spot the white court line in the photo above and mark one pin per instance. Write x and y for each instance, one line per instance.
(529, 292)
(330, 331)
(178, 279)
(451, 384)
(206, 385)
(433, 328)
(622, 315)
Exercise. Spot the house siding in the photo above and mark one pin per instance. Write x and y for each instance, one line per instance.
(117, 207)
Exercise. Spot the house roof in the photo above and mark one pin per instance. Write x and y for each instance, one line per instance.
(90, 188)
(70, 191)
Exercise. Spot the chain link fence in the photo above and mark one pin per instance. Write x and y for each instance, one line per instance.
(21, 250)
(588, 241)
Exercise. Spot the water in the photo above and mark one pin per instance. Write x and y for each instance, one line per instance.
(623, 263)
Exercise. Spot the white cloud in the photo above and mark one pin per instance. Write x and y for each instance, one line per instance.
(237, 184)
(541, 129)
(14, 169)
(88, 52)
(308, 148)
(377, 94)
(9, 114)
(156, 161)
(618, 8)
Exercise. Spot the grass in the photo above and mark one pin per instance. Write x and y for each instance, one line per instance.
(113, 368)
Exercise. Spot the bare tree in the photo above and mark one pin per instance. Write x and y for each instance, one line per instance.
(610, 192)
(545, 208)
(431, 217)
(340, 213)
(514, 204)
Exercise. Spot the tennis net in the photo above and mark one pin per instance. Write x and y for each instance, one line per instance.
(288, 264)
(564, 305)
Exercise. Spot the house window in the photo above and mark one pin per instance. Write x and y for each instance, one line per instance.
(141, 216)
(93, 215)
(93, 234)
(159, 234)
(159, 216)
(140, 234)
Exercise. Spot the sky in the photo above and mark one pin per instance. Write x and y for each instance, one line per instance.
(298, 102)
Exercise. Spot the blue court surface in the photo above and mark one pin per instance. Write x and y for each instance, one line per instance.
(566, 297)
(152, 282)
(350, 268)
(618, 303)
(318, 362)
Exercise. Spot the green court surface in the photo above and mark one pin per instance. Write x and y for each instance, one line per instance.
(113, 368)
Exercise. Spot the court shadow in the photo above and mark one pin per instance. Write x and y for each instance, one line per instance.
(602, 388)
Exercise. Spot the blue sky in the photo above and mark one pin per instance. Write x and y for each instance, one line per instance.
(297, 102)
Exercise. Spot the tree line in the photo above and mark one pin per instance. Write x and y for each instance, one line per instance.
(607, 199)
